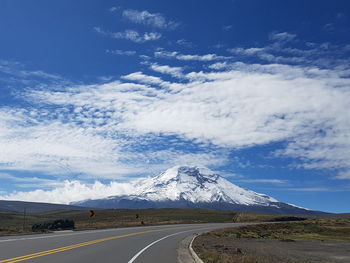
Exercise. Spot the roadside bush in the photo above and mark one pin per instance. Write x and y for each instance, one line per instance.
(60, 224)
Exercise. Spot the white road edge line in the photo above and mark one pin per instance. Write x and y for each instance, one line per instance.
(193, 253)
(145, 248)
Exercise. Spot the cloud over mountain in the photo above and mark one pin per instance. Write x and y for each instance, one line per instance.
(240, 106)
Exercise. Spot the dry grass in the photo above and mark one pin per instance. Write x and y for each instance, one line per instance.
(109, 218)
(318, 229)
(11, 223)
(212, 256)
(220, 246)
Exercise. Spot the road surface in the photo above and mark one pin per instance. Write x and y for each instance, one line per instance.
(151, 244)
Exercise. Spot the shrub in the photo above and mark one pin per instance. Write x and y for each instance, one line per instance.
(60, 224)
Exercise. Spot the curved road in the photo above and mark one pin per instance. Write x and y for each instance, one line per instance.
(125, 245)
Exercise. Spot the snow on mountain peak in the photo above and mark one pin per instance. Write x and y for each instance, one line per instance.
(197, 184)
(187, 174)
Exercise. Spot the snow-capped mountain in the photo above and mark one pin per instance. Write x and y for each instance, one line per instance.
(196, 184)
(193, 187)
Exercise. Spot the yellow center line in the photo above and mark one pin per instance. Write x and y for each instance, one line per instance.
(61, 249)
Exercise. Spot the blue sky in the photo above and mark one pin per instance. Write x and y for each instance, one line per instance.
(97, 93)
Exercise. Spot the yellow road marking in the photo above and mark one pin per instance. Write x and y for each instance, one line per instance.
(61, 249)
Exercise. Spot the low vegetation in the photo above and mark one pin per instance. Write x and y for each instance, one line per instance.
(274, 242)
(60, 224)
(11, 222)
(318, 229)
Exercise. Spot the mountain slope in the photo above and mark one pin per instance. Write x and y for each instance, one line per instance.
(194, 187)
(34, 207)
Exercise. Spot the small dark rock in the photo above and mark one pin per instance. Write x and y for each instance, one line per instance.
(239, 251)
(287, 240)
(219, 246)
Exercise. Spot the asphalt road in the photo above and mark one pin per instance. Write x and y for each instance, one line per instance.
(125, 245)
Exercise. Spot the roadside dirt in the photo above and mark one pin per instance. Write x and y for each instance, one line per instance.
(245, 250)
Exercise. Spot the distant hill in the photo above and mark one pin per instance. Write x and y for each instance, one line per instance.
(195, 187)
(342, 215)
(33, 207)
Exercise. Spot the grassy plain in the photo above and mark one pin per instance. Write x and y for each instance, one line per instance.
(11, 223)
(318, 229)
(277, 242)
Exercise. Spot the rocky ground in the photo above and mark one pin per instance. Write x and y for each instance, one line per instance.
(222, 250)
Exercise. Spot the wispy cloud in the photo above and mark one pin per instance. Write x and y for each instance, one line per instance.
(155, 20)
(179, 56)
(82, 134)
(121, 52)
(185, 43)
(12, 72)
(97, 130)
(307, 108)
(282, 36)
(227, 28)
(329, 27)
(130, 35)
(322, 55)
(265, 181)
(343, 175)
(246, 51)
(32, 182)
(114, 8)
(33, 142)
(316, 189)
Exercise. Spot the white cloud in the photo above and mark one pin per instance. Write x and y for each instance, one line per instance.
(220, 65)
(140, 77)
(179, 56)
(268, 181)
(81, 134)
(15, 68)
(34, 182)
(257, 105)
(315, 189)
(72, 191)
(322, 55)
(14, 73)
(121, 52)
(282, 36)
(173, 71)
(150, 19)
(169, 158)
(131, 35)
(32, 141)
(246, 51)
(245, 106)
(114, 8)
(184, 42)
(101, 31)
(343, 175)
(96, 130)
